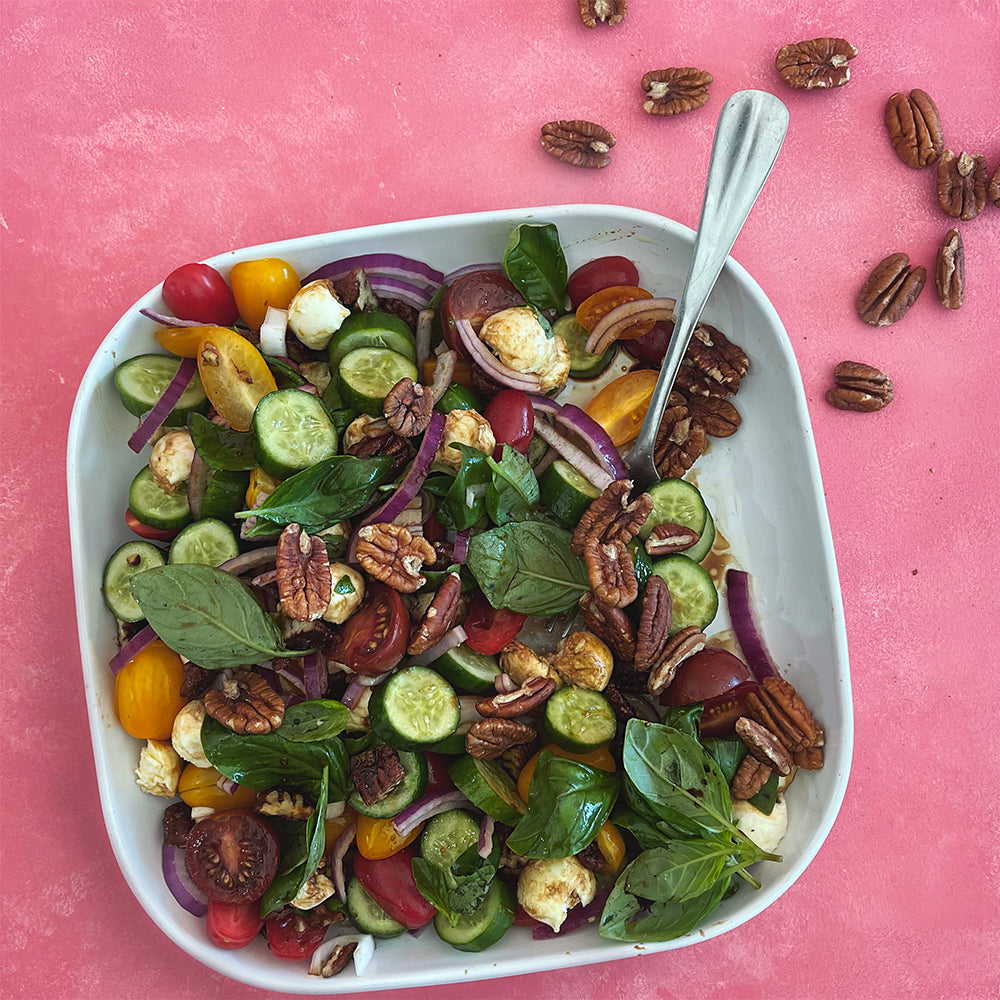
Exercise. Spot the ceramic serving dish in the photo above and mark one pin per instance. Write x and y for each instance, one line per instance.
(763, 485)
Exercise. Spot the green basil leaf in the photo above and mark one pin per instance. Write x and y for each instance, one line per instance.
(221, 447)
(727, 754)
(684, 718)
(679, 870)
(765, 799)
(318, 719)
(513, 489)
(534, 261)
(464, 503)
(207, 615)
(434, 883)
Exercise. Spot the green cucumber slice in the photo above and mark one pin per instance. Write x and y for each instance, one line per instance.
(457, 397)
(447, 836)
(140, 382)
(208, 542)
(693, 597)
(154, 507)
(487, 923)
(292, 431)
(367, 915)
(566, 493)
(678, 502)
(468, 670)
(126, 562)
(487, 785)
(373, 328)
(413, 709)
(367, 374)
(706, 540)
(581, 363)
(579, 719)
(404, 794)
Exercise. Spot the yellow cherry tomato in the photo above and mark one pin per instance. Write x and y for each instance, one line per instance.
(258, 284)
(377, 838)
(183, 341)
(612, 846)
(600, 758)
(199, 786)
(234, 375)
(261, 484)
(620, 406)
(337, 825)
(148, 692)
(594, 308)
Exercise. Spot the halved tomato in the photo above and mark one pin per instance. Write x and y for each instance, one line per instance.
(232, 856)
(597, 306)
(373, 640)
(473, 297)
(489, 629)
(295, 934)
(234, 374)
(233, 925)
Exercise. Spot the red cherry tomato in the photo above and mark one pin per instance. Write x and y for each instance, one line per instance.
(598, 274)
(374, 639)
(707, 674)
(233, 925)
(294, 935)
(489, 629)
(389, 882)
(651, 347)
(437, 773)
(232, 856)
(200, 293)
(521, 918)
(512, 418)
(473, 297)
(148, 531)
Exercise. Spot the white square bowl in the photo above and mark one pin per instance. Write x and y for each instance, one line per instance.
(763, 485)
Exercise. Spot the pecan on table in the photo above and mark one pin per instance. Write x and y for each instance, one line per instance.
(994, 188)
(578, 143)
(677, 649)
(949, 270)
(376, 772)
(749, 778)
(305, 583)
(668, 537)
(764, 745)
(408, 407)
(390, 553)
(961, 184)
(914, 127)
(778, 706)
(245, 703)
(439, 616)
(489, 738)
(611, 12)
(680, 440)
(816, 64)
(717, 358)
(611, 625)
(859, 387)
(532, 694)
(675, 90)
(890, 290)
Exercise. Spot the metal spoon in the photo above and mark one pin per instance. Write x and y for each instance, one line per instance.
(750, 132)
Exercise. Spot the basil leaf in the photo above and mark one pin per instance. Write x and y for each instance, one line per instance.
(513, 490)
(464, 503)
(319, 719)
(221, 447)
(432, 883)
(765, 799)
(534, 261)
(208, 616)
(567, 805)
(684, 718)
(679, 870)
(727, 754)
(527, 566)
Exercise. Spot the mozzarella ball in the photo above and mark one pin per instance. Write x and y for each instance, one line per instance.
(765, 831)
(548, 889)
(170, 460)
(464, 427)
(521, 342)
(186, 734)
(315, 314)
(159, 770)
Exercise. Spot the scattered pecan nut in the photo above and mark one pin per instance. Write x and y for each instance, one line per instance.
(717, 358)
(337, 960)
(578, 143)
(612, 517)
(890, 290)
(439, 616)
(489, 738)
(749, 778)
(961, 184)
(680, 441)
(717, 417)
(620, 705)
(390, 553)
(914, 128)
(668, 537)
(676, 650)
(532, 694)
(376, 772)
(611, 625)
(949, 270)
(764, 745)
(994, 189)
(197, 680)
(818, 63)
(611, 572)
(305, 583)
(859, 387)
(611, 12)
(654, 625)
(809, 759)
(777, 706)
(408, 407)
(674, 91)
(245, 703)
(378, 439)
(591, 857)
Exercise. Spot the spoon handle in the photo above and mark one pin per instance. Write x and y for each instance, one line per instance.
(750, 132)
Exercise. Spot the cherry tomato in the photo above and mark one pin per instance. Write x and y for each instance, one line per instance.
(512, 418)
(148, 531)
(258, 284)
(611, 844)
(183, 341)
(148, 692)
(600, 758)
(232, 856)
(651, 347)
(199, 292)
(378, 838)
(489, 629)
(707, 674)
(598, 274)
(438, 779)
(261, 485)
(234, 375)
(295, 934)
(473, 297)
(199, 786)
(374, 639)
(335, 826)
(620, 406)
(598, 305)
(389, 882)
(233, 925)
(720, 714)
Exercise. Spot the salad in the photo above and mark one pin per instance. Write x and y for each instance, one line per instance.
(399, 641)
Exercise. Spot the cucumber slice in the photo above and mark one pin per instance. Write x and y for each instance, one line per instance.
(292, 430)
(225, 493)
(154, 507)
(678, 502)
(140, 382)
(468, 670)
(367, 374)
(579, 719)
(367, 915)
(703, 546)
(208, 542)
(693, 597)
(566, 493)
(373, 328)
(581, 363)
(457, 397)
(405, 793)
(487, 923)
(447, 836)
(413, 709)
(487, 785)
(125, 562)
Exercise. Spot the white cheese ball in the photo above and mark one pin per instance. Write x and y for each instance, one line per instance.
(159, 770)
(519, 340)
(315, 314)
(185, 737)
(464, 427)
(765, 831)
(170, 460)
(348, 590)
(549, 888)
(584, 660)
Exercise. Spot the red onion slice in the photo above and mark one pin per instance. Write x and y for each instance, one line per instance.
(291, 678)
(430, 805)
(745, 626)
(579, 916)
(314, 675)
(461, 272)
(378, 262)
(454, 637)
(175, 874)
(340, 848)
(491, 364)
(361, 957)
(444, 372)
(272, 332)
(486, 836)
(352, 694)
(246, 562)
(153, 420)
(164, 320)
(425, 320)
(386, 287)
(227, 785)
(460, 549)
(597, 437)
(504, 684)
(583, 463)
(609, 327)
(138, 642)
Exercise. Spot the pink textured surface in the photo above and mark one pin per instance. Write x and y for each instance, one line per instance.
(137, 136)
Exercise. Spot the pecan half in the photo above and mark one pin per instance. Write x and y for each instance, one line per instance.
(717, 417)
(674, 91)
(777, 706)
(620, 705)
(578, 143)
(408, 407)
(809, 759)
(677, 649)
(376, 772)
(961, 184)
(717, 358)
(859, 387)
(668, 537)
(489, 738)
(337, 960)
(533, 693)
(914, 128)
(197, 680)
(591, 857)
(611, 572)
(994, 189)
(891, 288)
(818, 63)
(439, 616)
(390, 553)
(611, 625)
(379, 439)
(611, 12)
(949, 270)
(764, 745)
(302, 567)
(680, 441)
(177, 824)
(749, 778)
(612, 517)
(245, 703)
(654, 625)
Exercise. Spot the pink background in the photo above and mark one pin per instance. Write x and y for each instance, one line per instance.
(138, 136)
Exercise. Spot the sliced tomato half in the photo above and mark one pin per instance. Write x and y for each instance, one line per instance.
(489, 629)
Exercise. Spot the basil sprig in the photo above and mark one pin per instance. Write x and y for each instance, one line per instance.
(534, 261)
(221, 447)
(459, 888)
